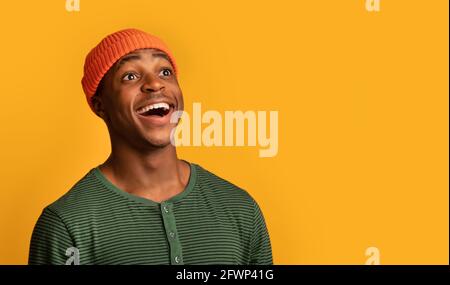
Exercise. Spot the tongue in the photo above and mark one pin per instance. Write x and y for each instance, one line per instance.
(160, 112)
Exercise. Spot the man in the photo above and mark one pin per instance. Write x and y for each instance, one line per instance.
(143, 205)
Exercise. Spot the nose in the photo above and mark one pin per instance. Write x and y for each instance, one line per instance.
(152, 84)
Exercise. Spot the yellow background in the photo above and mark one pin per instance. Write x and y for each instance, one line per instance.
(363, 115)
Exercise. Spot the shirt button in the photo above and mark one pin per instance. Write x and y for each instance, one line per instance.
(177, 259)
(172, 234)
(166, 209)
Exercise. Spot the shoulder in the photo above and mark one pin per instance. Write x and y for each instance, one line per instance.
(221, 189)
(86, 194)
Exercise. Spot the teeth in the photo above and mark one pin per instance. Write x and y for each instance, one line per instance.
(153, 106)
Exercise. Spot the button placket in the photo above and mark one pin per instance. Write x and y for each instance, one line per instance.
(171, 232)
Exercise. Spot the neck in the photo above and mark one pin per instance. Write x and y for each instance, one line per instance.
(155, 173)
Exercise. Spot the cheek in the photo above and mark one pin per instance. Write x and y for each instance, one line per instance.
(126, 96)
(120, 107)
(179, 96)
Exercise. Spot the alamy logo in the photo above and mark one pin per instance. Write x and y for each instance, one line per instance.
(235, 128)
(374, 256)
(373, 5)
(72, 5)
(74, 256)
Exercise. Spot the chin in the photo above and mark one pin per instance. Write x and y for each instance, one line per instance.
(155, 137)
(158, 142)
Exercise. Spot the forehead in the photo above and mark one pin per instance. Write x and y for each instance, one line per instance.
(140, 54)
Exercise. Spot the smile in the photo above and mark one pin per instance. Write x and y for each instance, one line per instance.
(156, 114)
(157, 109)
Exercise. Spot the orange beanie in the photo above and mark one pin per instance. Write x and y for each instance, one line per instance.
(112, 48)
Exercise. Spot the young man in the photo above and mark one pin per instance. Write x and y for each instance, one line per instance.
(143, 205)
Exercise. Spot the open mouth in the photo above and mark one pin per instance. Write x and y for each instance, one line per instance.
(157, 109)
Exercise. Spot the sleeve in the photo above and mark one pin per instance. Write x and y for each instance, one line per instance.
(49, 241)
(260, 247)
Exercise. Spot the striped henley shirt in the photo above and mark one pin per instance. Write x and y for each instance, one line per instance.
(211, 222)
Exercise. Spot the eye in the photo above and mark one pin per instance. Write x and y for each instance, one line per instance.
(129, 77)
(165, 72)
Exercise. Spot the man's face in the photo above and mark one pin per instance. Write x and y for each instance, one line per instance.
(137, 98)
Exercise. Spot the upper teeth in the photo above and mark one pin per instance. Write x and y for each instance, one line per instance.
(153, 106)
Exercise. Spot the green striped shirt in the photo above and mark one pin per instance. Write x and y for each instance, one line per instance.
(211, 222)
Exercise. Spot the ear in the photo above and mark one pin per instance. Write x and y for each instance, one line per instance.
(98, 106)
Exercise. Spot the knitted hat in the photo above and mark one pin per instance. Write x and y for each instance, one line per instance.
(102, 57)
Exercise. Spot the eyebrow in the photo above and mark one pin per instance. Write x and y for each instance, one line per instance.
(132, 57)
(127, 58)
(163, 55)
